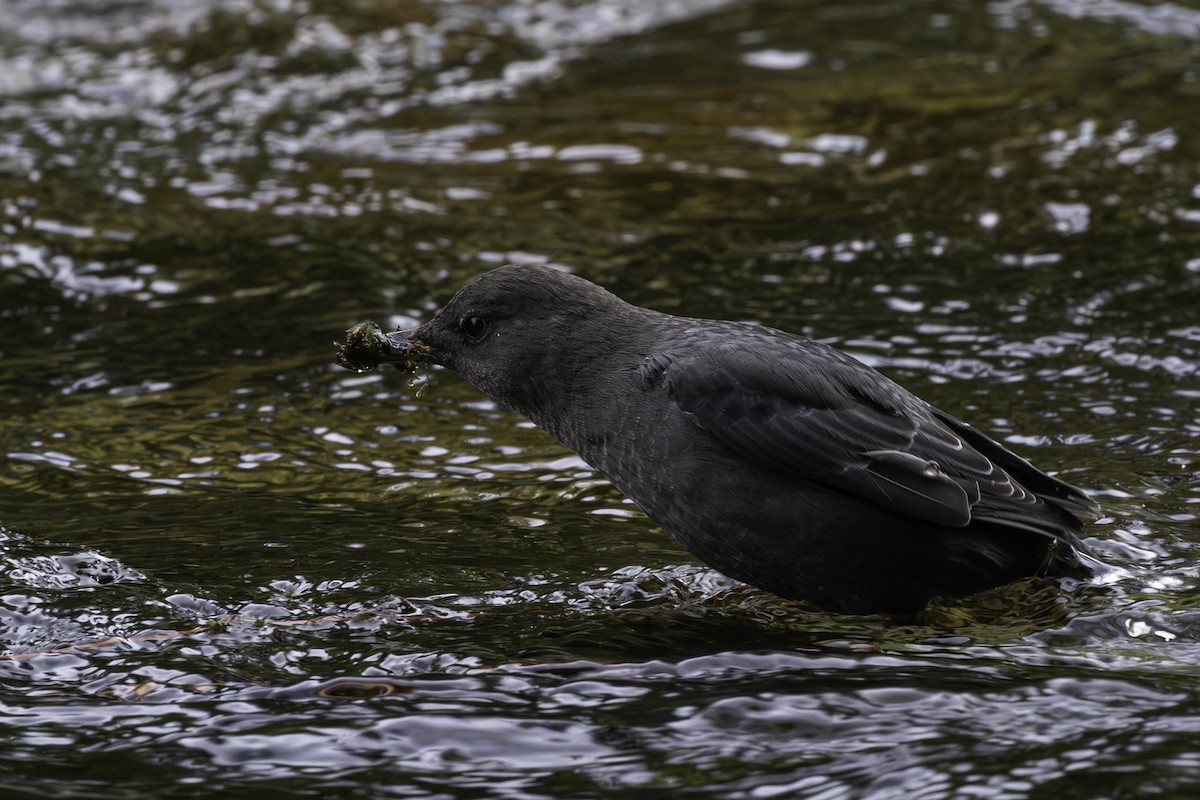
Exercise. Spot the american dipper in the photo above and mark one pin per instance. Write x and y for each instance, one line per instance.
(773, 458)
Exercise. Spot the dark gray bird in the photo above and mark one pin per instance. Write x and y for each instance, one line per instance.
(773, 458)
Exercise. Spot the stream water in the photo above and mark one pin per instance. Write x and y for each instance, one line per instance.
(230, 568)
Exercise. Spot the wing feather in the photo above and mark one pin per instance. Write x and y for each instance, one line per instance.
(796, 406)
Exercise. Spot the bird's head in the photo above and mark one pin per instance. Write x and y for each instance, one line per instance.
(518, 329)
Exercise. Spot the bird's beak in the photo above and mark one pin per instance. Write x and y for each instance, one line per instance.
(408, 345)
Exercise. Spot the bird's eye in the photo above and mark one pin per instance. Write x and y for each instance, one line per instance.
(473, 327)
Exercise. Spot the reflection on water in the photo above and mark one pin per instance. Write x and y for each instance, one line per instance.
(229, 565)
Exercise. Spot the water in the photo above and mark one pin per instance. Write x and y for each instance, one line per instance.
(232, 568)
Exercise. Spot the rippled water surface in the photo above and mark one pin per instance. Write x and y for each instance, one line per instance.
(231, 568)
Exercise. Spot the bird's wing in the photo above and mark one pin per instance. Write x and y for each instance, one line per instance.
(799, 407)
(1051, 490)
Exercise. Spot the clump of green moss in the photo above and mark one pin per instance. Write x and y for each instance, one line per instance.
(367, 347)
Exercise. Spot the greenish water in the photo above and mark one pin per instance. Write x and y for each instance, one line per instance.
(230, 568)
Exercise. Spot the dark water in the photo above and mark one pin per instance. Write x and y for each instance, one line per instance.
(230, 568)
